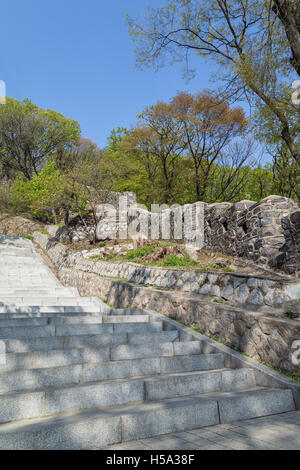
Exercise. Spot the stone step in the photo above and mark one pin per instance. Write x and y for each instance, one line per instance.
(108, 325)
(57, 313)
(54, 352)
(47, 309)
(83, 366)
(99, 428)
(51, 401)
(45, 301)
(192, 383)
(27, 292)
(117, 336)
(142, 351)
(45, 320)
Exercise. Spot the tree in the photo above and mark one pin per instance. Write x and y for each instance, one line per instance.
(93, 180)
(208, 126)
(116, 137)
(44, 196)
(140, 142)
(243, 37)
(83, 150)
(286, 173)
(30, 135)
(163, 132)
(288, 12)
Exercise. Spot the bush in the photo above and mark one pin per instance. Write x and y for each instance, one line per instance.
(179, 261)
(136, 256)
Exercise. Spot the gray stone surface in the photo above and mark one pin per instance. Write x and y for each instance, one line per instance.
(246, 289)
(116, 376)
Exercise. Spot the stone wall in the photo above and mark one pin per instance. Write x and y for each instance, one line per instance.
(266, 232)
(262, 337)
(254, 292)
(263, 232)
(288, 260)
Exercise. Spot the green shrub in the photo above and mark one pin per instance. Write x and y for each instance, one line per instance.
(95, 257)
(111, 257)
(179, 261)
(135, 256)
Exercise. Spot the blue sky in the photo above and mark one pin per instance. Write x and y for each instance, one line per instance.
(76, 57)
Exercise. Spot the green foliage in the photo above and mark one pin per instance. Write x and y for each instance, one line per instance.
(111, 257)
(207, 267)
(248, 43)
(47, 191)
(135, 256)
(30, 135)
(178, 261)
(115, 138)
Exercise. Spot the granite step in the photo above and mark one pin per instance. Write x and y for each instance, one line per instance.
(99, 428)
(84, 366)
(110, 334)
(104, 326)
(50, 401)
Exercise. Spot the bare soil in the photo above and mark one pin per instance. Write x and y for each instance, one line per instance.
(18, 226)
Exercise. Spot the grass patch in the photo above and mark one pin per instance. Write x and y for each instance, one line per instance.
(178, 261)
(111, 257)
(135, 256)
(205, 267)
(95, 257)
(104, 301)
(229, 269)
(29, 237)
(43, 231)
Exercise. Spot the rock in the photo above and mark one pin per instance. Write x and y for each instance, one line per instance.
(252, 282)
(241, 294)
(237, 281)
(256, 298)
(227, 292)
(205, 290)
(212, 278)
(195, 287)
(265, 285)
(274, 297)
(215, 291)
(292, 291)
(187, 287)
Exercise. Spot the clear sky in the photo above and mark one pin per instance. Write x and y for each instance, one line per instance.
(76, 57)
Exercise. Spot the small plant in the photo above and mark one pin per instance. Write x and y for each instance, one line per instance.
(107, 303)
(206, 267)
(95, 257)
(111, 257)
(229, 269)
(43, 231)
(28, 237)
(290, 314)
(178, 261)
(135, 256)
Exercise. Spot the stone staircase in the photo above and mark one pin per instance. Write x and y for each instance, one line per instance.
(81, 375)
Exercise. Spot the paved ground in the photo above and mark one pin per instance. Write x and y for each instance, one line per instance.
(280, 432)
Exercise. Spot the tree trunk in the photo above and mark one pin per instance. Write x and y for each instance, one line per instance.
(290, 18)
